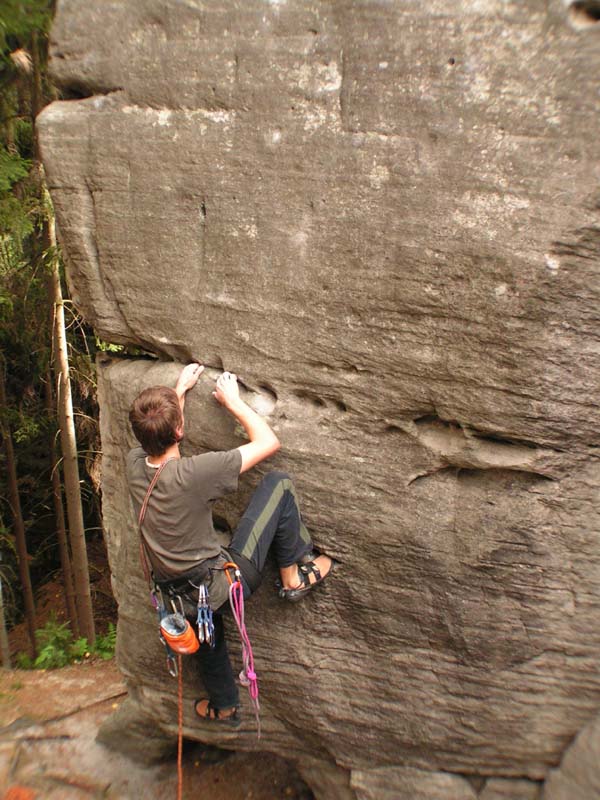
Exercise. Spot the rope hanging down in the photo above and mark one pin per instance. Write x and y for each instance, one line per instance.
(179, 729)
(248, 676)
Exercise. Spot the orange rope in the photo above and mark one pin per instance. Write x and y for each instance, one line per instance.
(180, 730)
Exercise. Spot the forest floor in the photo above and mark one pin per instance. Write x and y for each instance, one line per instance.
(49, 720)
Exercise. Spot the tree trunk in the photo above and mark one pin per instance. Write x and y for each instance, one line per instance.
(59, 516)
(4, 646)
(37, 101)
(19, 525)
(68, 442)
(81, 575)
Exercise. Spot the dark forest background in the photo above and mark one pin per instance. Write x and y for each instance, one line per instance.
(49, 491)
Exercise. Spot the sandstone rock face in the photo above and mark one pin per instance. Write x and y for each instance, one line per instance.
(578, 774)
(385, 217)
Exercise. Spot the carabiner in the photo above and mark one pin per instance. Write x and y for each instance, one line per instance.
(172, 666)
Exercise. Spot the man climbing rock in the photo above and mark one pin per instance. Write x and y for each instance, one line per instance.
(178, 536)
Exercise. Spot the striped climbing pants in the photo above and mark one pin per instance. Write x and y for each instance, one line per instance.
(272, 521)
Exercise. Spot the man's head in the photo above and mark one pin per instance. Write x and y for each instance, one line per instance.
(156, 419)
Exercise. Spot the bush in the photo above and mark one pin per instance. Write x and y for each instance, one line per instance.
(54, 642)
(24, 661)
(57, 648)
(105, 645)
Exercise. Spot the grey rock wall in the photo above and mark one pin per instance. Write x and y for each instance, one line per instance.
(385, 217)
(578, 774)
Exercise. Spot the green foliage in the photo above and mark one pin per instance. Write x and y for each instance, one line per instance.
(8, 573)
(57, 648)
(105, 645)
(107, 347)
(23, 134)
(16, 221)
(23, 661)
(19, 19)
(54, 643)
(13, 168)
(27, 430)
(79, 649)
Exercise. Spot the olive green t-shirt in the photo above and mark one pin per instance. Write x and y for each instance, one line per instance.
(178, 526)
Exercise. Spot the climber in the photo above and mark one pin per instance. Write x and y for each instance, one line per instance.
(178, 531)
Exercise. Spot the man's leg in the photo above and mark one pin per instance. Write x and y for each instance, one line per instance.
(273, 519)
(216, 671)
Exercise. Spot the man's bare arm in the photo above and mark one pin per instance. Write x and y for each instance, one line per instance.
(188, 378)
(263, 441)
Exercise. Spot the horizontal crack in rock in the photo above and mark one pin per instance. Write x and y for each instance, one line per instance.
(460, 447)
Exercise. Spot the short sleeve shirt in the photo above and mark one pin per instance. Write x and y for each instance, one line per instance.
(178, 526)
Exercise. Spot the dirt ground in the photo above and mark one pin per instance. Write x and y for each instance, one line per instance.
(48, 725)
(49, 720)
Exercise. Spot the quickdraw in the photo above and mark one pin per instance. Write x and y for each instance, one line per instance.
(206, 628)
(248, 676)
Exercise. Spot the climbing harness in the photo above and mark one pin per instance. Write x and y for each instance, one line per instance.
(247, 676)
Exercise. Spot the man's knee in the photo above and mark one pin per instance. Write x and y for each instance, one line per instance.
(271, 479)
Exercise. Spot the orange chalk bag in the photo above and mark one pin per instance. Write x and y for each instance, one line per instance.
(178, 634)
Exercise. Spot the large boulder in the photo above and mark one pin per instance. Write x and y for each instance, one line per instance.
(385, 217)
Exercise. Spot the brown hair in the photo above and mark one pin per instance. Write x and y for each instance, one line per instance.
(155, 416)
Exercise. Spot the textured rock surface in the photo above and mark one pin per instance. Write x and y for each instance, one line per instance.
(405, 783)
(385, 217)
(509, 789)
(578, 775)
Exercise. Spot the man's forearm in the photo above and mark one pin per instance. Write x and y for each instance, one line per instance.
(181, 397)
(255, 426)
(188, 377)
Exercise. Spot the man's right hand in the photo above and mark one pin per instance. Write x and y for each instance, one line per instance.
(227, 390)
(263, 441)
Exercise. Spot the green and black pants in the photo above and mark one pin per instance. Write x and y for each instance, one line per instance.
(271, 521)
